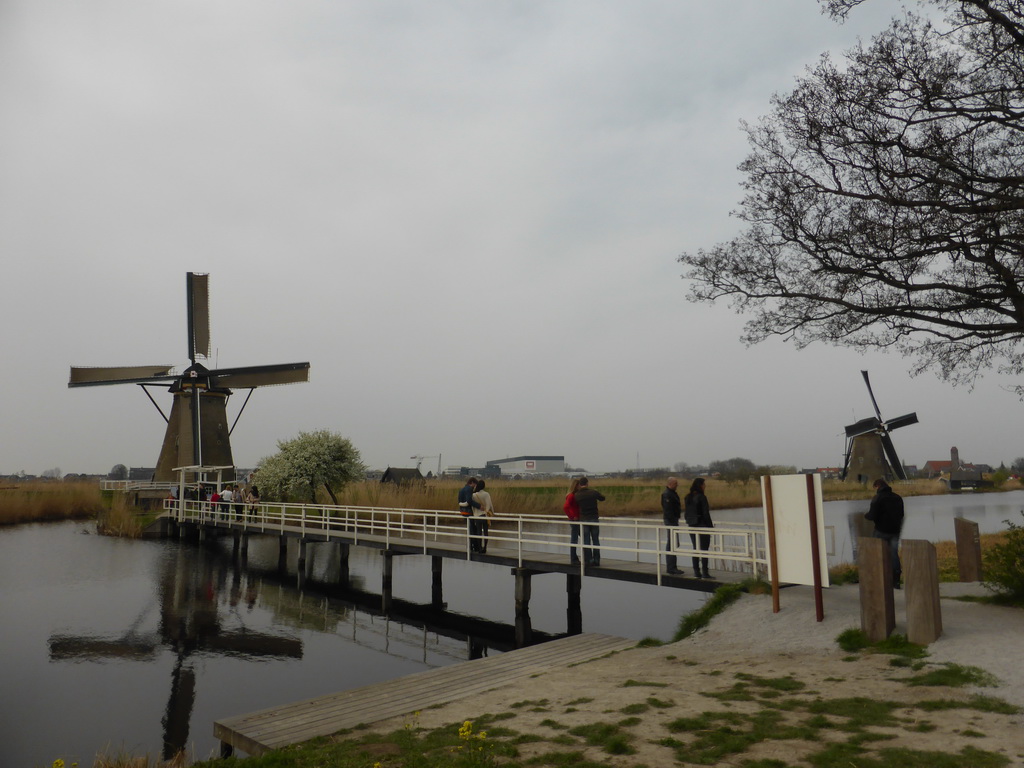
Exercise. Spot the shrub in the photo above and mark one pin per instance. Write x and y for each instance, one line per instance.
(1004, 564)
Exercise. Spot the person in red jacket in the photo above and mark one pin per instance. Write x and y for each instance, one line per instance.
(572, 510)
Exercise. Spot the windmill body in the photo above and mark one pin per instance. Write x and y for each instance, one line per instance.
(870, 452)
(198, 431)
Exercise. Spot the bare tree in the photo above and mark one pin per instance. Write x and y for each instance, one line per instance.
(885, 198)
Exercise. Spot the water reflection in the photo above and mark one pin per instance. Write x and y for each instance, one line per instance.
(193, 593)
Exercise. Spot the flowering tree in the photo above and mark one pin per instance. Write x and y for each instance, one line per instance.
(305, 463)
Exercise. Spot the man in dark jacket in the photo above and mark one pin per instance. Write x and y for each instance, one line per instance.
(587, 498)
(466, 506)
(886, 512)
(671, 509)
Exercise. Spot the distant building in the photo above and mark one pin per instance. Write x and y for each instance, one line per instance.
(529, 465)
(958, 473)
(401, 475)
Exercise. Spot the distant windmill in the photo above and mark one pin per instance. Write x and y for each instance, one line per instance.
(197, 429)
(870, 453)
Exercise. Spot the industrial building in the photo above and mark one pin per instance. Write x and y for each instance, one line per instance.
(529, 465)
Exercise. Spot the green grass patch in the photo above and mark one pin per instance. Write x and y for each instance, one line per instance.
(721, 599)
(954, 676)
(609, 736)
(642, 684)
(977, 703)
(635, 709)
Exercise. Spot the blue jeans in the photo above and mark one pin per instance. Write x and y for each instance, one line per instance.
(894, 554)
(574, 540)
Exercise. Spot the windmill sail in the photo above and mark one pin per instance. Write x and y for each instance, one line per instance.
(198, 316)
(128, 374)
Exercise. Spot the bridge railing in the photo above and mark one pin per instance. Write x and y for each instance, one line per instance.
(738, 547)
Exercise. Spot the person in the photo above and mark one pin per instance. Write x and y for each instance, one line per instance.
(227, 496)
(253, 498)
(671, 510)
(486, 510)
(697, 514)
(886, 512)
(587, 499)
(466, 506)
(571, 507)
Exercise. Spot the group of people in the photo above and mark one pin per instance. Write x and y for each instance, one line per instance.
(231, 497)
(476, 506)
(696, 513)
(581, 507)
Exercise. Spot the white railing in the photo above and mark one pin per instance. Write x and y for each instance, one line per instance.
(738, 547)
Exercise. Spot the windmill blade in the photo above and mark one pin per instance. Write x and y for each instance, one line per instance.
(197, 296)
(874, 402)
(261, 375)
(863, 427)
(99, 648)
(890, 454)
(130, 374)
(901, 421)
(846, 459)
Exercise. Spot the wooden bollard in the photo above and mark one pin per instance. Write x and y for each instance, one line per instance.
(877, 612)
(921, 577)
(968, 549)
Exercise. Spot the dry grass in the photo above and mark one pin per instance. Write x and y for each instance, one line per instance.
(626, 498)
(47, 501)
(121, 519)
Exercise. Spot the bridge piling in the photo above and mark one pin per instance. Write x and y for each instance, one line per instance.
(436, 586)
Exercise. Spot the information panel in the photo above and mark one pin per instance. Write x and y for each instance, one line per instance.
(791, 508)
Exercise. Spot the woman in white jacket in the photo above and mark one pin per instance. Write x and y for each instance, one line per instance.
(485, 511)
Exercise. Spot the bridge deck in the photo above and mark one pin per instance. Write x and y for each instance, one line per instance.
(617, 569)
(258, 732)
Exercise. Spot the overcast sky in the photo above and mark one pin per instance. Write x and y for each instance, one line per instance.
(465, 215)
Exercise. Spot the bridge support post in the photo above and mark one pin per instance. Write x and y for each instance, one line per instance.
(245, 547)
(343, 574)
(386, 580)
(282, 554)
(574, 610)
(301, 567)
(524, 630)
(436, 588)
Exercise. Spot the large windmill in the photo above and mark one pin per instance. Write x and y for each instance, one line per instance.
(870, 453)
(197, 429)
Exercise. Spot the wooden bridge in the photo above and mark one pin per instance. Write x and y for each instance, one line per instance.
(259, 732)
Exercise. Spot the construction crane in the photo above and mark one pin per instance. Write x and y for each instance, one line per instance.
(419, 460)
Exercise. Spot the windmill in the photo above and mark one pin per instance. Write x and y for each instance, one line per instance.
(870, 453)
(197, 428)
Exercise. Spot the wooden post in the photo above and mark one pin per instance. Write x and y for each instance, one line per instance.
(343, 573)
(386, 580)
(302, 556)
(574, 611)
(921, 577)
(773, 554)
(877, 612)
(282, 554)
(524, 630)
(436, 585)
(968, 549)
(812, 511)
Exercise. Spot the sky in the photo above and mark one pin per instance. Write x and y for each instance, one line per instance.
(465, 215)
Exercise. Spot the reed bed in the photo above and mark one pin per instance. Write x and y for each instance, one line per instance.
(625, 497)
(49, 501)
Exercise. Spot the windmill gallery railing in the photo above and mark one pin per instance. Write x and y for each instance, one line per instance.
(736, 547)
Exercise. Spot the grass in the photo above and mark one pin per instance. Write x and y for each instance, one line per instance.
(43, 501)
(625, 498)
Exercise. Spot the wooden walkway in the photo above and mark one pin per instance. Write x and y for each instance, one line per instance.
(259, 732)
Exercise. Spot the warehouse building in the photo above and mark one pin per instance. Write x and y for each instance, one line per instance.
(529, 465)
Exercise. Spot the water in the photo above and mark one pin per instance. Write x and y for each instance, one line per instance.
(112, 645)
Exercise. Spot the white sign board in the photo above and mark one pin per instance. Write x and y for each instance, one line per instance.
(791, 512)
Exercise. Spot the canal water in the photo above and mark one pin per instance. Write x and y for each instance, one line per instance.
(118, 646)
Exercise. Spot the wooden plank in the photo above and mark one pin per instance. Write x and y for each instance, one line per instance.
(257, 732)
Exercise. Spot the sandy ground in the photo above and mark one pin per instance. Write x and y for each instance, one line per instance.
(748, 639)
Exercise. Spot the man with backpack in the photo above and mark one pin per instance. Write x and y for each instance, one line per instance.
(886, 512)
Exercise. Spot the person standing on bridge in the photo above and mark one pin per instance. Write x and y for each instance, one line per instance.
(587, 498)
(485, 511)
(698, 515)
(466, 506)
(671, 510)
(571, 507)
